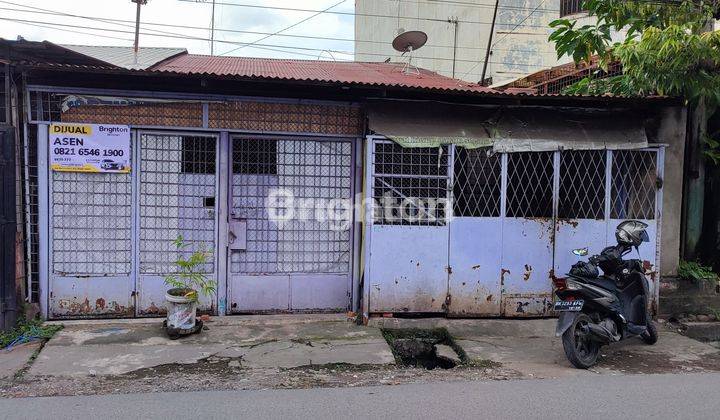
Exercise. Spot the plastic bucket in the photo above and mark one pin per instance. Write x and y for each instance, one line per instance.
(180, 309)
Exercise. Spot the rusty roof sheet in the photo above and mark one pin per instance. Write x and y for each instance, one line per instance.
(344, 72)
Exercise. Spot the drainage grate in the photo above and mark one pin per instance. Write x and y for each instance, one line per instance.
(426, 348)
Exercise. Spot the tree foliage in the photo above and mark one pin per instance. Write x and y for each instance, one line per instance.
(663, 47)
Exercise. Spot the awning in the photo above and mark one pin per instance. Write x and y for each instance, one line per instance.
(517, 129)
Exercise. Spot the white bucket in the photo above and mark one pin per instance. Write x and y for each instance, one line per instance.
(180, 311)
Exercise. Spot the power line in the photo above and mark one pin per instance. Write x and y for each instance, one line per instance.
(468, 4)
(239, 43)
(131, 40)
(292, 9)
(121, 22)
(286, 28)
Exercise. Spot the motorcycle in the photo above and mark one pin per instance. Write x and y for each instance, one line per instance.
(596, 310)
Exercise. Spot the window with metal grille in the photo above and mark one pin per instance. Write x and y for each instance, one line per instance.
(530, 184)
(259, 156)
(582, 184)
(571, 7)
(634, 183)
(410, 185)
(198, 155)
(476, 189)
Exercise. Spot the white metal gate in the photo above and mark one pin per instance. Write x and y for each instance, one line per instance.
(300, 256)
(516, 218)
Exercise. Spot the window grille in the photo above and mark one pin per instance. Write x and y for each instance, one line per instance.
(582, 184)
(410, 185)
(634, 183)
(476, 189)
(571, 7)
(530, 184)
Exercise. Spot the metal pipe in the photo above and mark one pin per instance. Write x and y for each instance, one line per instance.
(137, 25)
(489, 44)
(454, 22)
(212, 30)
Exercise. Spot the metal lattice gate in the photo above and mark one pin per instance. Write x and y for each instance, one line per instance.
(177, 190)
(91, 245)
(515, 219)
(290, 227)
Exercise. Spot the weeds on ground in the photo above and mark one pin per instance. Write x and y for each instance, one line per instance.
(691, 270)
(28, 330)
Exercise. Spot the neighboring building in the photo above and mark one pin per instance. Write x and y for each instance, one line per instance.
(458, 32)
(476, 196)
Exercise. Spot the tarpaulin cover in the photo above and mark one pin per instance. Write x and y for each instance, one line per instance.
(427, 124)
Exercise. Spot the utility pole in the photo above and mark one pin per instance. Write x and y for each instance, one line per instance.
(489, 45)
(212, 30)
(137, 25)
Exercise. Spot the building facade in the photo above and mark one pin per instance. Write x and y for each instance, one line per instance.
(309, 193)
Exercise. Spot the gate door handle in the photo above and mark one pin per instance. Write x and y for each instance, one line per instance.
(237, 236)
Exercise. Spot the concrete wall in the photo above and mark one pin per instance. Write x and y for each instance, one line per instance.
(672, 132)
(520, 44)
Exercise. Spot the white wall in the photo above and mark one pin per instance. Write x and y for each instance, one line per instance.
(518, 49)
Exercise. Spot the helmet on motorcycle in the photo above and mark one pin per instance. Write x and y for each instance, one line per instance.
(584, 269)
(632, 232)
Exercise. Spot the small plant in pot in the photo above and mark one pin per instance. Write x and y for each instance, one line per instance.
(186, 286)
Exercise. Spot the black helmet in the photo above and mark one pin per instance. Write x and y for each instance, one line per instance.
(632, 232)
(584, 269)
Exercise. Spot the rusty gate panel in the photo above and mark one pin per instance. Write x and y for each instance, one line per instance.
(409, 236)
(475, 232)
(635, 188)
(582, 206)
(91, 245)
(528, 232)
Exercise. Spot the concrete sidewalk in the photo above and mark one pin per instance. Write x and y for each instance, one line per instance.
(529, 348)
(276, 341)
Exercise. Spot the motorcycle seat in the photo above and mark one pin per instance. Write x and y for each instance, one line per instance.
(606, 283)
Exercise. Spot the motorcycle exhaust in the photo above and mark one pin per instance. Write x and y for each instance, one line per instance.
(600, 334)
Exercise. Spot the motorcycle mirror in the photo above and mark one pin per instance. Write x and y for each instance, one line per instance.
(580, 252)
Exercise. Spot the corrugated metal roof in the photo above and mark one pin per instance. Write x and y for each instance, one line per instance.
(345, 72)
(125, 56)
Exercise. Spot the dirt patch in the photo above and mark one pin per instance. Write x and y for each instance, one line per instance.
(224, 374)
(647, 362)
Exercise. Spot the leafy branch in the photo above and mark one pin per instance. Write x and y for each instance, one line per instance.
(190, 276)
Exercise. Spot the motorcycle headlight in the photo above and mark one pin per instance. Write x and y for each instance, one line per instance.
(573, 285)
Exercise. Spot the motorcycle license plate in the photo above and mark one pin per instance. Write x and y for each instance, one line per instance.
(569, 305)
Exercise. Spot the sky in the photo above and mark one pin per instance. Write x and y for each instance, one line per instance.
(20, 18)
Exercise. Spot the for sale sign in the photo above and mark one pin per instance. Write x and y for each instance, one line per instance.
(90, 148)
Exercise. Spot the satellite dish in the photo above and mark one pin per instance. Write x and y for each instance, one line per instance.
(409, 41)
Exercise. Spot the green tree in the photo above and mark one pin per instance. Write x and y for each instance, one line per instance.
(665, 47)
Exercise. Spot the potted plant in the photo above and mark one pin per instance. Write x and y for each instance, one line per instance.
(186, 285)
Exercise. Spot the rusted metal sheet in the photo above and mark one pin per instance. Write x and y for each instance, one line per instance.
(408, 269)
(527, 260)
(474, 282)
(92, 298)
(527, 305)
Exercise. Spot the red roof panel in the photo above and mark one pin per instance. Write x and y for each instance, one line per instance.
(374, 74)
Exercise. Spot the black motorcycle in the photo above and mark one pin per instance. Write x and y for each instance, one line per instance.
(595, 309)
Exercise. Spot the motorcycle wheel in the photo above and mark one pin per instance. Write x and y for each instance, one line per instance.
(650, 337)
(580, 350)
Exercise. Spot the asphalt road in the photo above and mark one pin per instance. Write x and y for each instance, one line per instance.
(691, 396)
